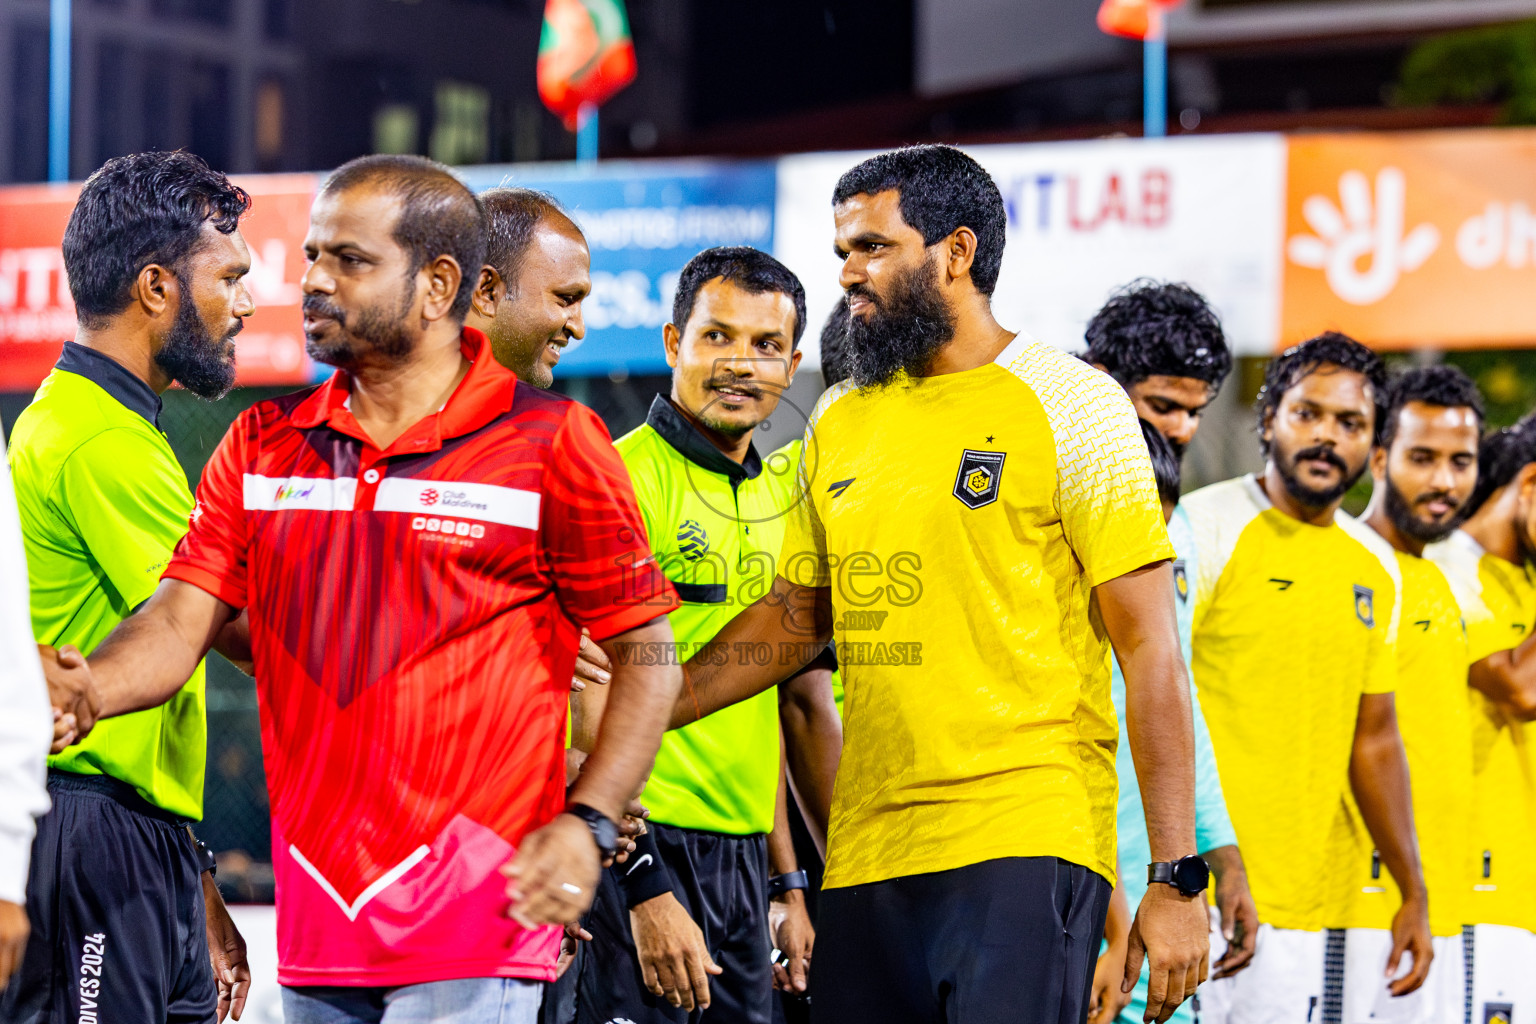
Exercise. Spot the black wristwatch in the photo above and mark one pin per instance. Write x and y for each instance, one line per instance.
(604, 831)
(1190, 875)
(778, 885)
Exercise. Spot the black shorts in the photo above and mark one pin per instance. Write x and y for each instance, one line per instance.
(722, 881)
(115, 898)
(1012, 940)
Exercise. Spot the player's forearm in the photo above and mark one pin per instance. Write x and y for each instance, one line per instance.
(791, 622)
(1117, 922)
(781, 842)
(813, 739)
(234, 642)
(1162, 744)
(1508, 678)
(1378, 774)
(1226, 863)
(586, 716)
(153, 652)
(639, 700)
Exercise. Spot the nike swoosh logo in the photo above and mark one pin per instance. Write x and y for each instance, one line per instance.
(642, 862)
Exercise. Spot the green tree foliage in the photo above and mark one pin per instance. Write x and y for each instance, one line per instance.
(1477, 65)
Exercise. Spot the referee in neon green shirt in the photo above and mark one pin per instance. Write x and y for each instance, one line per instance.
(124, 915)
(685, 922)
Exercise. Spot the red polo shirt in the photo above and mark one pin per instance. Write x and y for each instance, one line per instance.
(415, 613)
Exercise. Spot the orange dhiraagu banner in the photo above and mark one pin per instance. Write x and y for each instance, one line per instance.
(37, 315)
(1422, 239)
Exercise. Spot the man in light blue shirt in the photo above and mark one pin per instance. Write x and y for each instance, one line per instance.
(1165, 346)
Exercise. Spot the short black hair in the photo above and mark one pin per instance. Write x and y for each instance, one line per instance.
(1502, 455)
(1444, 386)
(1154, 328)
(136, 210)
(511, 214)
(1299, 362)
(749, 269)
(940, 189)
(835, 366)
(1165, 464)
(439, 215)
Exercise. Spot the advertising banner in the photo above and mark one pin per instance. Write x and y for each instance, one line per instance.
(1405, 240)
(643, 223)
(1423, 239)
(37, 315)
(1085, 218)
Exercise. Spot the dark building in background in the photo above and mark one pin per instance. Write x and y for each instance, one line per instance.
(278, 85)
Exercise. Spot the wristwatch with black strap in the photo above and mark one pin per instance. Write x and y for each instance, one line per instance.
(605, 832)
(778, 885)
(1190, 875)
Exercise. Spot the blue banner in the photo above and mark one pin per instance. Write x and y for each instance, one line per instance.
(643, 222)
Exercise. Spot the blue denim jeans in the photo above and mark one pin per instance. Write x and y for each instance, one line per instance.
(461, 1001)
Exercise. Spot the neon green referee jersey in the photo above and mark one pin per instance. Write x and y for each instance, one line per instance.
(103, 502)
(715, 527)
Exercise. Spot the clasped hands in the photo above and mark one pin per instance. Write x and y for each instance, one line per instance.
(72, 692)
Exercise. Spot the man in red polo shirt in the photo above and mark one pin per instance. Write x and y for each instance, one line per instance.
(418, 542)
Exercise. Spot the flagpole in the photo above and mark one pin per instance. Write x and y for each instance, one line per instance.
(58, 90)
(1154, 89)
(586, 134)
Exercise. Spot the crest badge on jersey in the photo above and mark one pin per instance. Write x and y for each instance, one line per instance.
(692, 541)
(980, 478)
(1365, 609)
(1181, 581)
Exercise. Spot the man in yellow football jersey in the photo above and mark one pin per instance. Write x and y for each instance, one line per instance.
(1164, 344)
(1424, 469)
(978, 524)
(1488, 563)
(1295, 612)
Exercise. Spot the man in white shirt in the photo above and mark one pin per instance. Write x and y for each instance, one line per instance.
(24, 734)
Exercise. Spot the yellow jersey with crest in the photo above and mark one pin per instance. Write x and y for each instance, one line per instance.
(1293, 622)
(1498, 601)
(1434, 717)
(961, 522)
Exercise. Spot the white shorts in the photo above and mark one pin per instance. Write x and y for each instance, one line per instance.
(1282, 984)
(1503, 962)
(1442, 999)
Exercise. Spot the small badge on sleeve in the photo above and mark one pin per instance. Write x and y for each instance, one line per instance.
(1181, 581)
(1364, 609)
(980, 477)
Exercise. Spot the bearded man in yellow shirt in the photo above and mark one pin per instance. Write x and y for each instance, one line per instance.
(978, 523)
(1424, 469)
(1295, 621)
(1488, 562)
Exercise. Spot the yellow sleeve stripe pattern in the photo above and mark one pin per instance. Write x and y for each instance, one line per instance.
(1101, 457)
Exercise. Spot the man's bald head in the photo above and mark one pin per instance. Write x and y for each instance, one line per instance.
(439, 215)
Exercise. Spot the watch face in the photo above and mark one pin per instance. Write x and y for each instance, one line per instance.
(1191, 875)
(606, 834)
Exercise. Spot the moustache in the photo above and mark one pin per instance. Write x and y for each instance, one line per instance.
(735, 384)
(1321, 453)
(315, 306)
(1445, 496)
